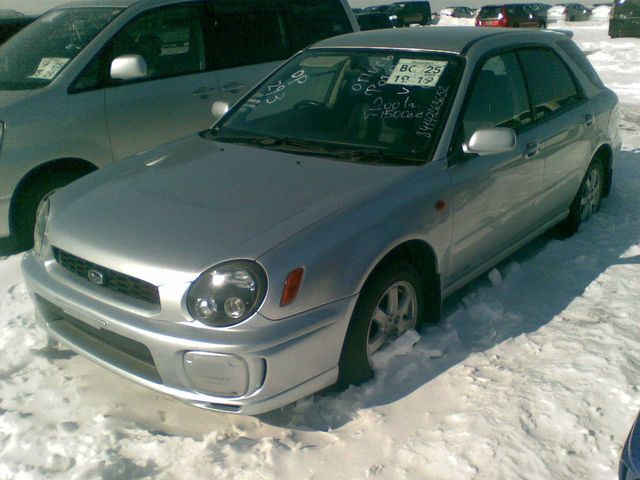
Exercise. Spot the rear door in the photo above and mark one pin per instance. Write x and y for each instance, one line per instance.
(495, 197)
(175, 97)
(251, 38)
(247, 44)
(565, 123)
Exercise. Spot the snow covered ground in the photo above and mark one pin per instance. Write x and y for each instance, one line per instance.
(534, 373)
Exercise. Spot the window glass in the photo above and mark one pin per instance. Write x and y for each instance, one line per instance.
(169, 39)
(550, 83)
(314, 20)
(385, 102)
(580, 59)
(498, 97)
(35, 56)
(248, 37)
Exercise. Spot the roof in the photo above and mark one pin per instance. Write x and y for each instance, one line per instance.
(101, 3)
(444, 39)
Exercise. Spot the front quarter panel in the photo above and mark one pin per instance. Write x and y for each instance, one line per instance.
(340, 252)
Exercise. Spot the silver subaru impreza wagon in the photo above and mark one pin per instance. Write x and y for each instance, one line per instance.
(325, 214)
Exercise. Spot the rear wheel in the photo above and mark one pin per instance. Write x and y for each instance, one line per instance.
(587, 201)
(391, 303)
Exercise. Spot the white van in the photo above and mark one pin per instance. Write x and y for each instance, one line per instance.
(96, 81)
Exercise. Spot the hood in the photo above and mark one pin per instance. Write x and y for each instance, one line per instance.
(174, 212)
(9, 97)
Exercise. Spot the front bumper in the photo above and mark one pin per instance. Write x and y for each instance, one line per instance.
(259, 366)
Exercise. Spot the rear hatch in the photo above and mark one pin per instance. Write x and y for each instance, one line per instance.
(492, 16)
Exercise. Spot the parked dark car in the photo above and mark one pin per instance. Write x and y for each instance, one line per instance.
(540, 11)
(458, 12)
(373, 21)
(11, 22)
(625, 19)
(509, 15)
(408, 13)
(404, 14)
(630, 460)
(570, 12)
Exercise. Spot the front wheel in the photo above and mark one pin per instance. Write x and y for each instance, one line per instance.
(391, 303)
(587, 200)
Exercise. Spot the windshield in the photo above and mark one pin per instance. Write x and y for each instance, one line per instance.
(383, 106)
(36, 55)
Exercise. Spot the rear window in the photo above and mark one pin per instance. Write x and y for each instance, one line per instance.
(580, 59)
(490, 12)
(550, 83)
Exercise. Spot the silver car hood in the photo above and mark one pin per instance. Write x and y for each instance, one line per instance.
(9, 97)
(169, 214)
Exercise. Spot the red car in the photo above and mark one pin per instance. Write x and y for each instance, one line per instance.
(510, 15)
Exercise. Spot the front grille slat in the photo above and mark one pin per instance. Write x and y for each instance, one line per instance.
(112, 280)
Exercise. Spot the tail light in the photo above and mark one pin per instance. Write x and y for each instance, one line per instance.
(503, 20)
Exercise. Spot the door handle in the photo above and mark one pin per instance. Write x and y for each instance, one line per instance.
(588, 120)
(531, 149)
(204, 91)
(233, 87)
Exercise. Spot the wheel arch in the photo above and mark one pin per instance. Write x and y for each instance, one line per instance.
(64, 165)
(423, 256)
(604, 153)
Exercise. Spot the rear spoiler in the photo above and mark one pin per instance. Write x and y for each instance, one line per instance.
(568, 33)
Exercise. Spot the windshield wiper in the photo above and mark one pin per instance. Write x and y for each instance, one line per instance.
(370, 155)
(268, 141)
(341, 151)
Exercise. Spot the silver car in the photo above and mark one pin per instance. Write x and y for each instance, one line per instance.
(327, 213)
(95, 81)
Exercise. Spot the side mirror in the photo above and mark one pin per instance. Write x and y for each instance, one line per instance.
(491, 141)
(128, 67)
(218, 109)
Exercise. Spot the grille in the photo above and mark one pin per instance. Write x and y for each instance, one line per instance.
(113, 281)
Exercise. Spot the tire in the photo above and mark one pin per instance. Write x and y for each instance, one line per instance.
(572, 18)
(27, 204)
(365, 334)
(588, 198)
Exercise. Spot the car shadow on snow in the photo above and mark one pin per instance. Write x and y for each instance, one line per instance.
(523, 294)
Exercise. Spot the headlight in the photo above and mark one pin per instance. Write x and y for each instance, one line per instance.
(393, 17)
(227, 294)
(42, 214)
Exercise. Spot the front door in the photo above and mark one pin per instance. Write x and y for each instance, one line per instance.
(175, 98)
(495, 197)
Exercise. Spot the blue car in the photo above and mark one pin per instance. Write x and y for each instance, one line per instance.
(630, 461)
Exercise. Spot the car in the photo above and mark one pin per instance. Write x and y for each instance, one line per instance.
(327, 213)
(91, 83)
(570, 12)
(601, 11)
(11, 22)
(540, 11)
(512, 15)
(415, 12)
(630, 458)
(457, 12)
(373, 21)
(625, 19)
